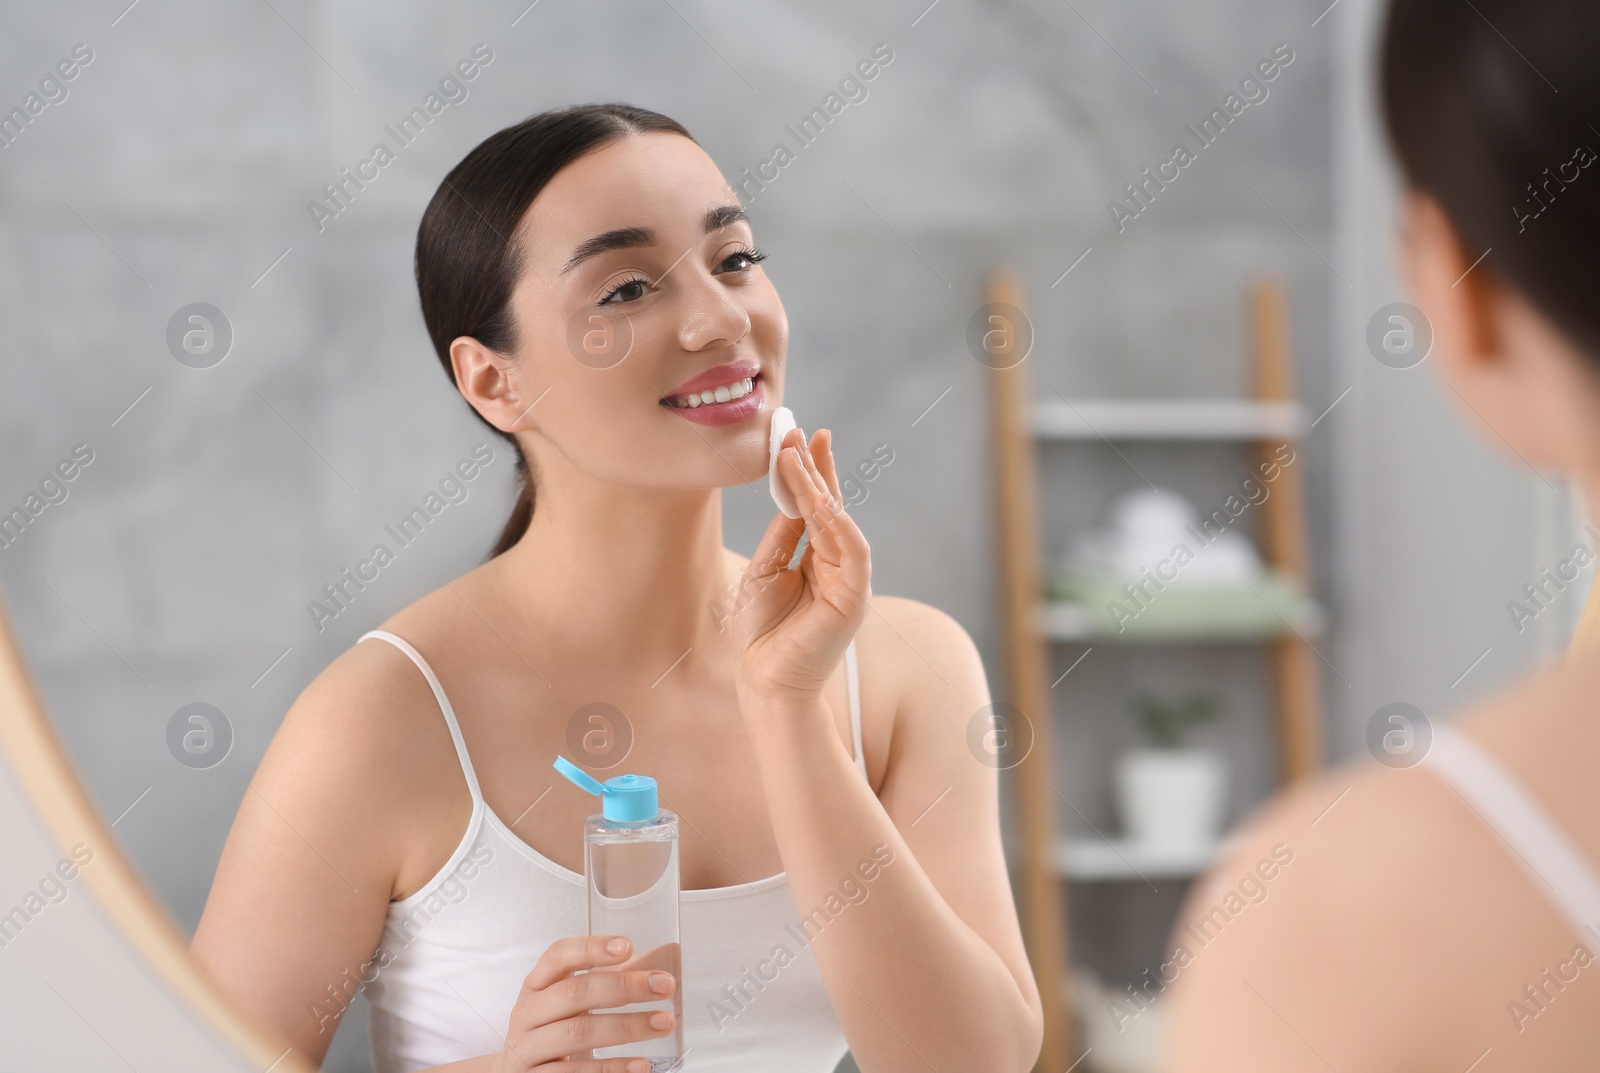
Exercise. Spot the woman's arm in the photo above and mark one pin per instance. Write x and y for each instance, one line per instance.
(928, 969)
(297, 907)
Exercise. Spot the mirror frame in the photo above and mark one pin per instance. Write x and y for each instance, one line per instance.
(48, 780)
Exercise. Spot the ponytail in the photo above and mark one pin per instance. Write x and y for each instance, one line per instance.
(522, 512)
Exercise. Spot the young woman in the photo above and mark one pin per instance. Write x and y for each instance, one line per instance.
(843, 878)
(1445, 916)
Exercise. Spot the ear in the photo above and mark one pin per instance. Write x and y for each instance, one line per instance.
(489, 383)
(1456, 290)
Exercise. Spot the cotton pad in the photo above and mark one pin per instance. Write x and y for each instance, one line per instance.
(782, 422)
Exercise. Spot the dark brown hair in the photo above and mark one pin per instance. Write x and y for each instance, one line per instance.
(466, 261)
(1492, 108)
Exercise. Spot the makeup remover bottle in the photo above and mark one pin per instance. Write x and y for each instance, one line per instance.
(630, 858)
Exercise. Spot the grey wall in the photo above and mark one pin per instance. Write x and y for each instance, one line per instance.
(179, 168)
(1435, 528)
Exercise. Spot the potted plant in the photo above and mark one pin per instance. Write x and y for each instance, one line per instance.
(1170, 794)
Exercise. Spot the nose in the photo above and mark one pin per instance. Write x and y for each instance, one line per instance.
(711, 315)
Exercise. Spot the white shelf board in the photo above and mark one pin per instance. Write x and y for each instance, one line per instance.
(1168, 419)
(1062, 620)
(1089, 859)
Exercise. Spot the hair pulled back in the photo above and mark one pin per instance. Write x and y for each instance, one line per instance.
(1502, 132)
(466, 260)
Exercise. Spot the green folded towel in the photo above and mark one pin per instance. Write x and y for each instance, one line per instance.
(1104, 607)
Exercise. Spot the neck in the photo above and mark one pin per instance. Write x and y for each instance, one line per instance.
(620, 573)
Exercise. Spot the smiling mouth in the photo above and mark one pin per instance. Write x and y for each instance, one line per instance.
(713, 396)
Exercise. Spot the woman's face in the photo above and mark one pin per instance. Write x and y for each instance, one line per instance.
(637, 286)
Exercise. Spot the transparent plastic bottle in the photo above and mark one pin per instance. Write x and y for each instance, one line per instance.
(630, 858)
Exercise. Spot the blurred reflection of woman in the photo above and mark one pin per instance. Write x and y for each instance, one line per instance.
(1446, 916)
(842, 869)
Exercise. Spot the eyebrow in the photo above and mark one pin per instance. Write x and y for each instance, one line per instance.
(629, 237)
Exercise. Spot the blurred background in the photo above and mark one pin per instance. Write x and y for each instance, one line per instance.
(175, 175)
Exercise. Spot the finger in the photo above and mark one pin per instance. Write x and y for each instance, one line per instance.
(812, 472)
(852, 545)
(796, 439)
(601, 989)
(807, 485)
(783, 533)
(809, 474)
(806, 480)
(839, 540)
(597, 1065)
(566, 956)
(823, 451)
(583, 1033)
(820, 509)
(828, 526)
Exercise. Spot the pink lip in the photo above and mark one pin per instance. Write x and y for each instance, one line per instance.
(724, 413)
(721, 376)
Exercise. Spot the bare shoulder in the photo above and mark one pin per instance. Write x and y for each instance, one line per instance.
(925, 621)
(1345, 900)
(920, 648)
(361, 743)
(926, 673)
(1357, 825)
(317, 846)
(1543, 731)
(1328, 908)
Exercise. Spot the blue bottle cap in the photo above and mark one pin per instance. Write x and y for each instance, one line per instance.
(628, 798)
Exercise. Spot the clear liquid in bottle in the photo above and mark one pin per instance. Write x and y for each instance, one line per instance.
(633, 891)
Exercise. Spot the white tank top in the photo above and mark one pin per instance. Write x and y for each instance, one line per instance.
(1548, 855)
(455, 952)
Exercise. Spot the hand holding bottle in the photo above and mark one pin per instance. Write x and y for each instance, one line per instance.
(551, 1022)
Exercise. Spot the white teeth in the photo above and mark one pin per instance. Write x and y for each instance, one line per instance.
(725, 393)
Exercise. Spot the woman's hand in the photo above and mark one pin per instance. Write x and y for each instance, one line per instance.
(794, 624)
(551, 1022)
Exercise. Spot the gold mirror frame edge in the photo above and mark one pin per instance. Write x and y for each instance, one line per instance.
(51, 782)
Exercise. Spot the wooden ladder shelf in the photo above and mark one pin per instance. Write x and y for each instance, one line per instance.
(1267, 422)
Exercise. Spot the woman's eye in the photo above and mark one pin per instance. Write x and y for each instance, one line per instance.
(630, 289)
(740, 260)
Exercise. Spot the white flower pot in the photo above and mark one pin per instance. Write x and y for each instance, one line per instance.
(1171, 798)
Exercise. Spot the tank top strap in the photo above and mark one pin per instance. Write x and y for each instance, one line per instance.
(1547, 853)
(852, 680)
(444, 706)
